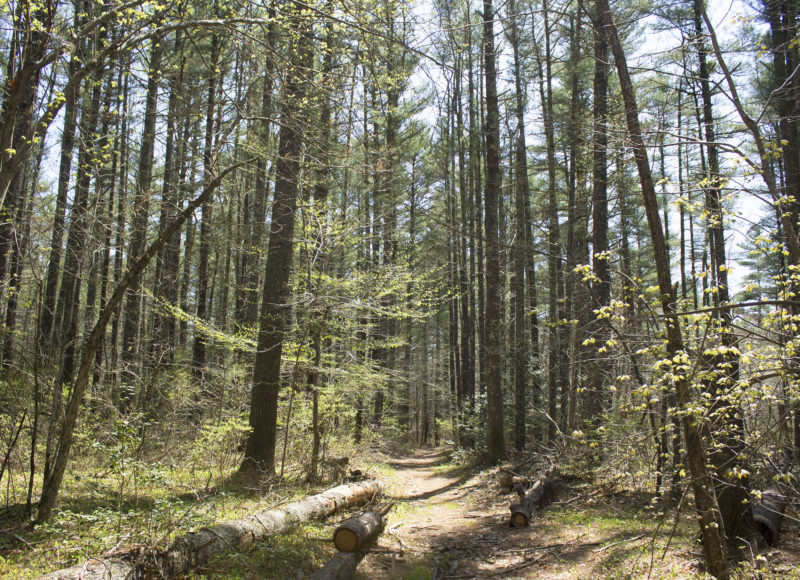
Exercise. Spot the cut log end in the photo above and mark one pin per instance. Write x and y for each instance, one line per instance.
(519, 519)
(353, 534)
(538, 496)
(345, 540)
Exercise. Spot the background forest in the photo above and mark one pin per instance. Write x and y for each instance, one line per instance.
(239, 237)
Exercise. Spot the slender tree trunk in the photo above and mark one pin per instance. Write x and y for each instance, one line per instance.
(574, 308)
(601, 286)
(321, 192)
(75, 254)
(139, 219)
(71, 98)
(166, 277)
(553, 236)
(248, 312)
(199, 345)
(119, 238)
(521, 247)
(464, 282)
(732, 490)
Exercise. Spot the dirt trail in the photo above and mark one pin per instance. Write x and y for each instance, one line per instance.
(451, 524)
(433, 509)
(441, 527)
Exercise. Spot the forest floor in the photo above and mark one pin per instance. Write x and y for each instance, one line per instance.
(451, 523)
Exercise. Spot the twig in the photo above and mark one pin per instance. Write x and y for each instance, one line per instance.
(607, 546)
(516, 567)
(118, 544)
(21, 539)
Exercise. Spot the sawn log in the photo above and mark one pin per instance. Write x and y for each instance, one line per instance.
(355, 533)
(195, 548)
(540, 492)
(352, 538)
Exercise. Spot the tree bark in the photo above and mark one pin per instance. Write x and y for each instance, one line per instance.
(247, 311)
(553, 235)
(521, 246)
(166, 278)
(537, 496)
(65, 167)
(199, 345)
(139, 220)
(341, 567)
(601, 286)
(354, 533)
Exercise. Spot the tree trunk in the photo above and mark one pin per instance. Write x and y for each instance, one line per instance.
(139, 221)
(709, 520)
(520, 249)
(247, 313)
(260, 451)
(553, 236)
(601, 286)
(65, 167)
(199, 345)
(166, 278)
(496, 445)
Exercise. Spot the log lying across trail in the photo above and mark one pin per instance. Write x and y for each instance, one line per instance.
(355, 533)
(539, 494)
(352, 538)
(195, 548)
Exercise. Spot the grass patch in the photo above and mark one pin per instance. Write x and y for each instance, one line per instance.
(302, 548)
(143, 503)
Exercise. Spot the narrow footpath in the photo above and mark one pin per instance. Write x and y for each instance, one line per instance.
(433, 525)
(452, 524)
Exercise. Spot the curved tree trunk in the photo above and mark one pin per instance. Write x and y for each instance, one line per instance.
(714, 548)
(52, 484)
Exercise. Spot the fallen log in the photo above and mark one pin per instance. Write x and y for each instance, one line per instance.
(101, 569)
(195, 548)
(341, 567)
(353, 534)
(352, 538)
(768, 514)
(539, 494)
